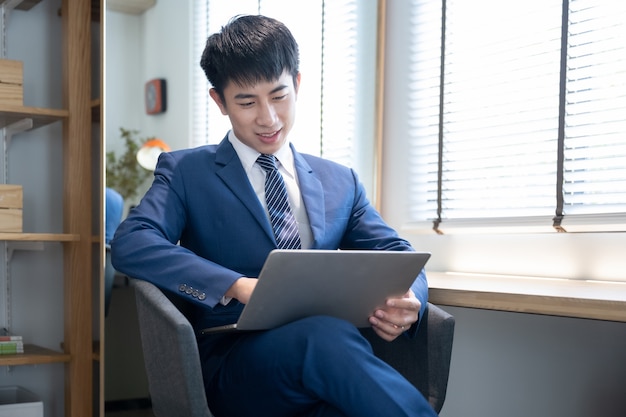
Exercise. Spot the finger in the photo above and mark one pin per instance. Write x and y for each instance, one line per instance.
(387, 331)
(390, 327)
(412, 304)
(397, 318)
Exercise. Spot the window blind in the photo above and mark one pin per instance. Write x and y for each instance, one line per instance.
(339, 72)
(199, 85)
(485, 103)
(500, 116)
(326, 33)
(424, 101)
(594, 179)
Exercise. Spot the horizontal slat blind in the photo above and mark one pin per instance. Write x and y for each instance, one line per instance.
(423, 102)
(199, 84)
(498, 160)
(339, 85)
(500, 110)
(595, 122)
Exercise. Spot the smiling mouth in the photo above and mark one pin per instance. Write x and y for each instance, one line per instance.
(269, 137)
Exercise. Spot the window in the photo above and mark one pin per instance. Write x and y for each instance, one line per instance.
(411, 146)
(518, 116)
(337, 61)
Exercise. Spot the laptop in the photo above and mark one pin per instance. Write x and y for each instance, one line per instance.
(347, 284)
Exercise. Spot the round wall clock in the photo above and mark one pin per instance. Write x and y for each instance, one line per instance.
(155, 96)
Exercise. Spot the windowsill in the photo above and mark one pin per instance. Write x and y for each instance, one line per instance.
(599, 300)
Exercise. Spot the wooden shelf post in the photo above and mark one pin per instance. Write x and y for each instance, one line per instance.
(76, 15)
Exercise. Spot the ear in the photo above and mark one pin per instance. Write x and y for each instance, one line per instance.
(218, 100)
(297, 86)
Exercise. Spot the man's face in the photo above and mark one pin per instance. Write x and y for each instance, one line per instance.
(262, 114)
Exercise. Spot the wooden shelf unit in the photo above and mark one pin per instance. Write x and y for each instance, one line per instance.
(80, 205)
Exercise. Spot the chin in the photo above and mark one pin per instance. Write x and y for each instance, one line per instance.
(270, 148)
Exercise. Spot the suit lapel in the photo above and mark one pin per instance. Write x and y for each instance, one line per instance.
(231, 172)
(313, 197)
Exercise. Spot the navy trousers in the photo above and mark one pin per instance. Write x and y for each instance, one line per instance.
(318, 366)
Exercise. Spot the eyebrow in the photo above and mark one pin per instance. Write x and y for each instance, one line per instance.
(245, 95)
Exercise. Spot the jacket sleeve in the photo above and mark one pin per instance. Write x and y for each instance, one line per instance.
(366, 229)
(145, 245)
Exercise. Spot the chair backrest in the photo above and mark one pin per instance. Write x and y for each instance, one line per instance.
(173, 363)
(170, 354)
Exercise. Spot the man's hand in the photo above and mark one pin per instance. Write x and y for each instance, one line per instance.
(242, 289)
(396, 316)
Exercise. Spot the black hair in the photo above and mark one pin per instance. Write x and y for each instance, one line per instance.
(249, 49)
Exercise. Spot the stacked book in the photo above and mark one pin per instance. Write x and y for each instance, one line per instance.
(10, 344)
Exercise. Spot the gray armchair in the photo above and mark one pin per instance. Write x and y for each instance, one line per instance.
(173, 364)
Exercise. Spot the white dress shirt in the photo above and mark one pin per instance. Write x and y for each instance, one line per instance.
(256, 176)
(287, 169)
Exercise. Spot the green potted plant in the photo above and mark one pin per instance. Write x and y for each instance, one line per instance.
(124, 174)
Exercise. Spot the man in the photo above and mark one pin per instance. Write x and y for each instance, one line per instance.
(203, 231)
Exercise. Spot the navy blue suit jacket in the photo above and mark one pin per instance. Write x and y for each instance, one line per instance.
(201, 226)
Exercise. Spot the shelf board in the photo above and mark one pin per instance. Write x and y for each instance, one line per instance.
(41, 117)
(34, 355)
(24, 4)
(39, 237)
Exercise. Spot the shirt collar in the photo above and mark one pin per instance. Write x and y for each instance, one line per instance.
(248, 156)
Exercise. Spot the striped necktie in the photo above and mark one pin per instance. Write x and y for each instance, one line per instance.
(281, 217)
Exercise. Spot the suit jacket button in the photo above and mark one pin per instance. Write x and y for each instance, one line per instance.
(182, 287)
(195, 293)
(202, 296)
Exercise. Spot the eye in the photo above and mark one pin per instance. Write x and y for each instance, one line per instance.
(246, 104)
(279, 98)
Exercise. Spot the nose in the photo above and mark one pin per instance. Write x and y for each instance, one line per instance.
(266, 115)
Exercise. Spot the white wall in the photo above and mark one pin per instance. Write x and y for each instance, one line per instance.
(123, 76)
(167, 54)
(155, 44)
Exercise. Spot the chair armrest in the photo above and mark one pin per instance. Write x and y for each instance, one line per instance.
(424, 360)
(170, 355)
